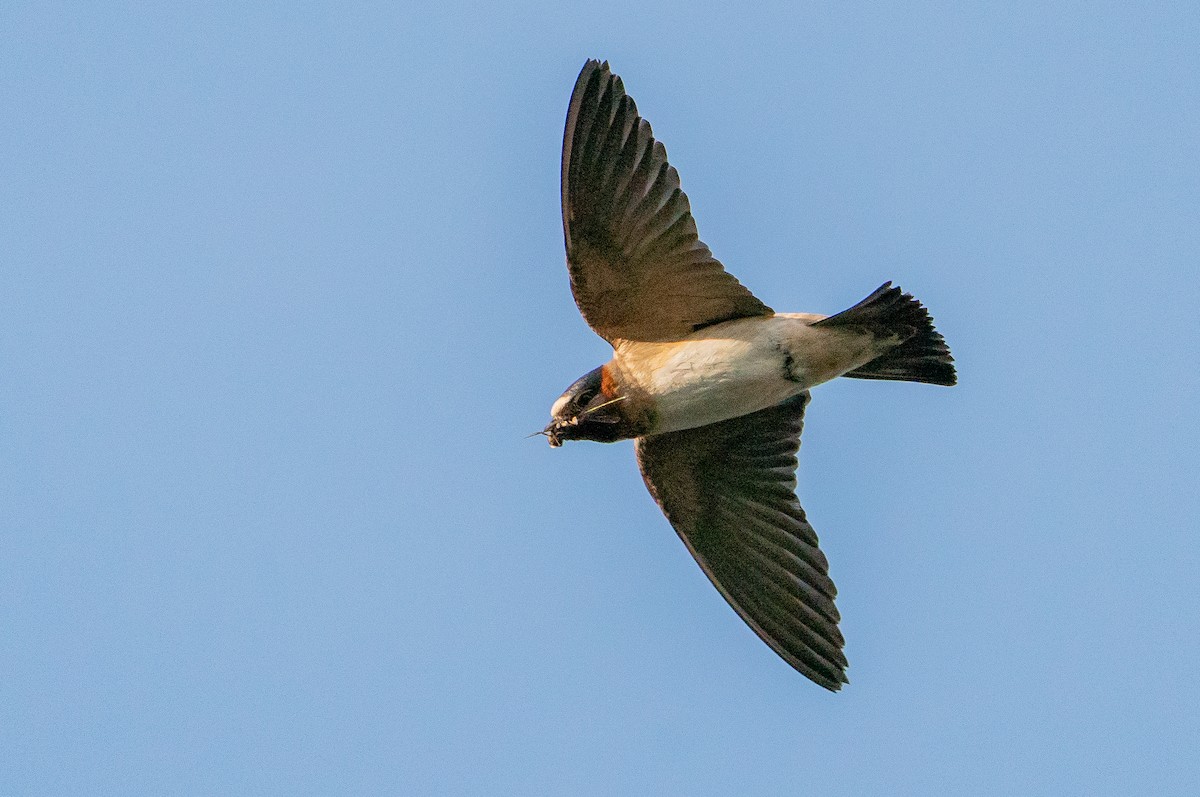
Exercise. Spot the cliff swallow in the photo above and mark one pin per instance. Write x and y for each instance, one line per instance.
(709, 382)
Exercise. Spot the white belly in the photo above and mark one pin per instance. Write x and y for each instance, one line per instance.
(735, 368)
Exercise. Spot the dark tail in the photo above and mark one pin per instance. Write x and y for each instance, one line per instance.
(922, 354)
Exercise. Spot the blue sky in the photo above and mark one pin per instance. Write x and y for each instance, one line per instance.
(282, 290)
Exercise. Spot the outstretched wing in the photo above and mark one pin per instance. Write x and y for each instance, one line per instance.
(729, 491)
(638, 269)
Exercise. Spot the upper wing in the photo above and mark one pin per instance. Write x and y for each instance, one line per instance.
(638, 269)
(729, 490)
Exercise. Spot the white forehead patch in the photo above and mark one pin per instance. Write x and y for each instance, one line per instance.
(558, 405)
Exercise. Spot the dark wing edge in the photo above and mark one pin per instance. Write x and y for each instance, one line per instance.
(639, 270)
(728, 489)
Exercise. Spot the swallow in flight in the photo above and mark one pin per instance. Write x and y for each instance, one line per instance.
(709, 382)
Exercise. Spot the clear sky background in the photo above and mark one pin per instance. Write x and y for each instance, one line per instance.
(282, 290)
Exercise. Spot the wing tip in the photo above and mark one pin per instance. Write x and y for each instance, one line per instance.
(835, 686)
(833, 678)
(592, 65)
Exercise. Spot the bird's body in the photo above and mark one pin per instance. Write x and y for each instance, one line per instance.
(710, 382)
(733, 369)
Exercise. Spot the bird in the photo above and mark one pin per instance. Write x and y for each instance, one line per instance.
(710, 383)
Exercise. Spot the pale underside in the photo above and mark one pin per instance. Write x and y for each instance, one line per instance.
(737, 368)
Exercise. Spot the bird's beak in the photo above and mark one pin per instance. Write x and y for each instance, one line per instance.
(551, 433)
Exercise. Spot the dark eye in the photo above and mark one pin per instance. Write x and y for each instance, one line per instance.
(584, 400)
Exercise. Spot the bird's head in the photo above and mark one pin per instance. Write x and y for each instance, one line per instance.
(585, 412)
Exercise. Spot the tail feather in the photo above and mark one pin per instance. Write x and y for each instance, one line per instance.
(920, 353)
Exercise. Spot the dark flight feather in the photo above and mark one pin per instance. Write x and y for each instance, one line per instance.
(639, 270)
